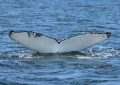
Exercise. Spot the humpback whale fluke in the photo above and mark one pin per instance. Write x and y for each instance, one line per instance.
(45, 44)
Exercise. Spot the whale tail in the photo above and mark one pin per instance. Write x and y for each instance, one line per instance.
(45, 44)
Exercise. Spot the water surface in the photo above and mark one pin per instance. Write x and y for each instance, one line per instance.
(59, 19)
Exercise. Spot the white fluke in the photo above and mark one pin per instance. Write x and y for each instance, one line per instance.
(45, 44)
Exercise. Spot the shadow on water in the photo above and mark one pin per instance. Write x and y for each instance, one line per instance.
(72, 53)
(69, 56)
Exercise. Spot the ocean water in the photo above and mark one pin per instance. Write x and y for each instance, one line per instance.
(98, 65)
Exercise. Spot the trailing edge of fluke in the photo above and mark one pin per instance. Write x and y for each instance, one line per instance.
(45, 44)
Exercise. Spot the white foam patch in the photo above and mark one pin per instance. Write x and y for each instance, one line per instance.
(104, 52)
(24, 55)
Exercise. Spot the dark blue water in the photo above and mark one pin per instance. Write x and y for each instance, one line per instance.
(59, 19)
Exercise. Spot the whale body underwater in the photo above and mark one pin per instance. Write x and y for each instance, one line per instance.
(44, 44)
